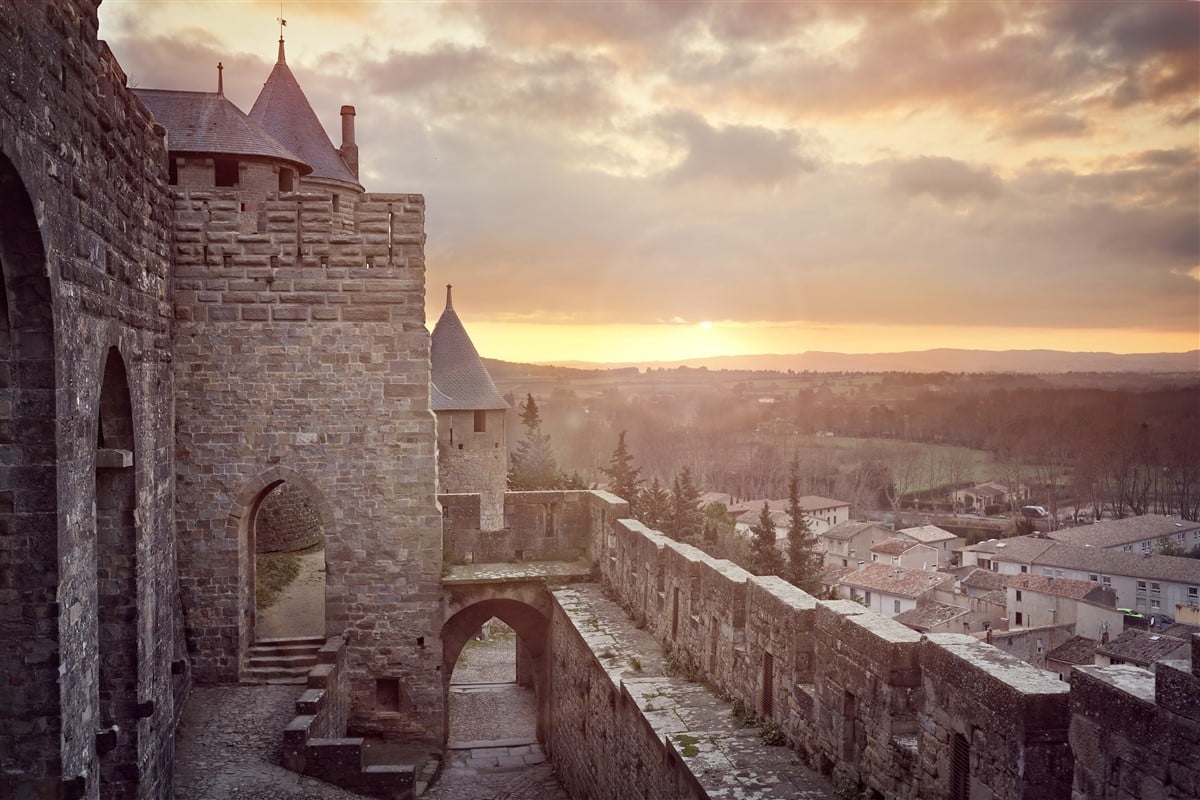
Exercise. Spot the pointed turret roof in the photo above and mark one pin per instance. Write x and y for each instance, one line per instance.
(284, 111)
(460, 381)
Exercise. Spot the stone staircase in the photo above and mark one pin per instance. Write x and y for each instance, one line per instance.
(284, 660)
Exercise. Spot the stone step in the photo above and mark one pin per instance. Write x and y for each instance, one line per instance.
(283, 660)
(314, 641)
(258, 674)
(283, 649)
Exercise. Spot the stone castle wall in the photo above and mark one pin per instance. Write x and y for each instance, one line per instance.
(543, 526)
(861, 697)
(286, 522)
(301, 356)
(84, 250)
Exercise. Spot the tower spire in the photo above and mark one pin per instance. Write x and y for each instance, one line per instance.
(282, 24)
(220, 78)
(449, 302)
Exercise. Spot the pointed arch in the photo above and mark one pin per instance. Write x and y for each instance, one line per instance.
(29, 571)
(117, 607)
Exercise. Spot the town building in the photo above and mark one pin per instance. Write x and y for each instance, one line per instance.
(849, 543)
(906, 553)
(889, 590)
(1141, 535)
(943, 540)
(1148, 584)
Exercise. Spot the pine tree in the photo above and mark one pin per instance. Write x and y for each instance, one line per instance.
(533, 465)
(765, 558)
(624, 477)
(803, 569)
(687, 520)
(654, 506)
(717, 523)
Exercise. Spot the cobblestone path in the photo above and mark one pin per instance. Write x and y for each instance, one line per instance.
(229, 742)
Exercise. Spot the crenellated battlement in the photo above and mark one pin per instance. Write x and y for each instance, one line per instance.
(292, 260)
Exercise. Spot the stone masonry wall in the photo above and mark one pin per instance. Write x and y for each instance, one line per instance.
(84, 248)
(470, 461)
(1136, 733)
(542, 526)
(286, 521)
(860, 697)
(301, 355)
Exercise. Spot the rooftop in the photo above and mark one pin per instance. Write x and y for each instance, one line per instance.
(1058, 587)
(927, 534)
(1119, 532)
(929, 615)
(206, 122)
(898, 581)
(1142, 648)
(850, 529)
(1076, 650)
(894, 546)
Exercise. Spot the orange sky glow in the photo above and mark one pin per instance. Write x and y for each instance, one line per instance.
(604, 178)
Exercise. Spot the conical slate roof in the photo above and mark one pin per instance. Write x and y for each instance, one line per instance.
(460, 381)
(283, 110)
(205, 122)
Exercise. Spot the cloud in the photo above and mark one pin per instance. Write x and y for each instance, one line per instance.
(1048, 126)
(944, 179)
(738, 155)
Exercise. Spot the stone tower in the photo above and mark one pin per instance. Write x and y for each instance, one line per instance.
(472, 440)
(301, 357)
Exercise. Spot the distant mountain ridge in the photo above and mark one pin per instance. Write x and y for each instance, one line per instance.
(939, 360)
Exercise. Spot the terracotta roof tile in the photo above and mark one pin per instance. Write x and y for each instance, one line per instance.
(1076, 650)
(893, 580)
(1058, 587)
(929, 615)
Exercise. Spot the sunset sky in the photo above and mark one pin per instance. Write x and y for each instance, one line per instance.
(627, 181)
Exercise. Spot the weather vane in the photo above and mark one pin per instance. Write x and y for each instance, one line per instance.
(282, 22)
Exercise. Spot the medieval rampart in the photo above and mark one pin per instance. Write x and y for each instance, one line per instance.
(301, 356)
(541, 526)
(864, 699)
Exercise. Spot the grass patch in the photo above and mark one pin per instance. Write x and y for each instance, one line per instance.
(687, 744)
(274, 572)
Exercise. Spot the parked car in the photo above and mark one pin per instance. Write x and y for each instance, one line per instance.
(1034, 512)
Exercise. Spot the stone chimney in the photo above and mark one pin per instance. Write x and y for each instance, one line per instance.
(349, 149)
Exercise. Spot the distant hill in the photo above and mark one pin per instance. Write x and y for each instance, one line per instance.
(940, 360)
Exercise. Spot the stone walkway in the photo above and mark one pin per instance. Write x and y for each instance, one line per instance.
(300, 608)
(228, 746)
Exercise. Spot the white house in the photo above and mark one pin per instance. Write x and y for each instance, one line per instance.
(944, 541)
(902, 552)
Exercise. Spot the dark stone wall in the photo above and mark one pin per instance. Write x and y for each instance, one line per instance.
(84, 249)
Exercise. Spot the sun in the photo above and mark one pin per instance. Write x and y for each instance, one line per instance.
(706, 326)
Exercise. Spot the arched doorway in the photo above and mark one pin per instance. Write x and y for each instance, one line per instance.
(30, 731)
(289, 556)
(268, 508)
(117, 609)
(523, 695)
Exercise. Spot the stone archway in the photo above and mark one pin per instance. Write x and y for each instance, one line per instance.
(29, 570)
(242, 519)
(117, 607)
(524, 607)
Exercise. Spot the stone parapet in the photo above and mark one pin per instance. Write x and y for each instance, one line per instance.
(861, 697)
